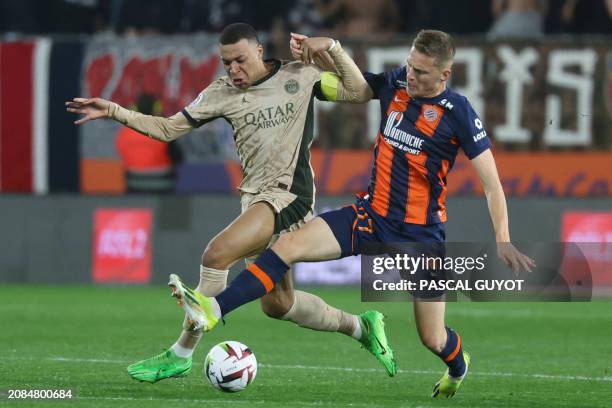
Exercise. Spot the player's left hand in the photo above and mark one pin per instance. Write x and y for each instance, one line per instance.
(313, 45)
(513, 258)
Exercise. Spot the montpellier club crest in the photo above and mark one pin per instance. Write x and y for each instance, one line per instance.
(430, 113)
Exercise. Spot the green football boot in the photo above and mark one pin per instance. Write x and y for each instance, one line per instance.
(164, 365)
(197, 306)
(448, 386)
(374, 339)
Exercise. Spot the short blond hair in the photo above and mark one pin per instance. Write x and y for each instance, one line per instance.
(435, 44)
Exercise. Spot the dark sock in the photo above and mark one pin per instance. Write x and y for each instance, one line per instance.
(452, 354)
(253, 282)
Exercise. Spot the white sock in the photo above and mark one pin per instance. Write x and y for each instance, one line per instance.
(357, 333)
(180, 351)
(212, 281)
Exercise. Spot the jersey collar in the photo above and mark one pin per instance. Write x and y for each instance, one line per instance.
(434, 99)
(276, 64)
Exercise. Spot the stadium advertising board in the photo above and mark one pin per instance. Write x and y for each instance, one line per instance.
(592, 231)
(122, 245)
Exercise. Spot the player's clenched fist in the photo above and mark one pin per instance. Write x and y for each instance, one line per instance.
(314, 45)
(92, 108)
(295, 45)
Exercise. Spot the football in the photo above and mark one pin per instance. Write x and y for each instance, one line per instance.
(230, 366)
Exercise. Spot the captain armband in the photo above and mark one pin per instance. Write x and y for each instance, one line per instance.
(329, 86)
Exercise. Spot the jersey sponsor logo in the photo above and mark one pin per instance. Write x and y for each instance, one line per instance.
(398, 138)
(292, 86)
(480, 136)
(430, 114)
(271, 116)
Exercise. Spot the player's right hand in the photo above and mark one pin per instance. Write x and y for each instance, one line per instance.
(514, 259)
(92, 108)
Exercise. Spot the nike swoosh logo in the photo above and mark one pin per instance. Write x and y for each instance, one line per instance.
(396, 99)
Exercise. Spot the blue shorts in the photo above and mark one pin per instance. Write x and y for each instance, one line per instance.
(358, 224)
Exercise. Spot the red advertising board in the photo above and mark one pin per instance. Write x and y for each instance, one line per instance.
(122, 245)
(592, 231)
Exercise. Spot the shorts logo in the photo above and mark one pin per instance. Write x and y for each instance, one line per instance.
(431, 114)
(292, 86)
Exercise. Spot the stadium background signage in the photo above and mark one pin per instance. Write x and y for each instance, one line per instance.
(592, 232)
(122, 245)
(523, 91)
(532, 97)
(529, 98)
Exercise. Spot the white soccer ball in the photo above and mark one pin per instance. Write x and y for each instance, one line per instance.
(230, 366)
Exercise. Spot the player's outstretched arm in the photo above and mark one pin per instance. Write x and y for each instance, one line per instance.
(158, 128)
(484, 164)
(348, 85)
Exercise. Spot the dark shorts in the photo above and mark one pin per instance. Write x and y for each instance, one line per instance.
(357, 225)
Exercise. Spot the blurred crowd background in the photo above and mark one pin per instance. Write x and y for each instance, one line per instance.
(496, 18)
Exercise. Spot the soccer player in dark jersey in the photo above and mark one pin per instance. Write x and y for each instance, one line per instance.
(423, 125)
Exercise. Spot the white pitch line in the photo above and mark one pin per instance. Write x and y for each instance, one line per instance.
(212, 400)
(478, 373)
(228, 401)
(347, 369)
(85, 360)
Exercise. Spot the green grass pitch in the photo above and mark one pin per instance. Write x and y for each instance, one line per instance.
(83, 337)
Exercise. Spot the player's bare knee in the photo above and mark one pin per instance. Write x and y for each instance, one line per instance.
(275, 306)
(215, 256)
(433, 342)
(287, 247)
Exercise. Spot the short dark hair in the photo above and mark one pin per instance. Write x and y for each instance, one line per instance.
(435, 44)
(235, 32)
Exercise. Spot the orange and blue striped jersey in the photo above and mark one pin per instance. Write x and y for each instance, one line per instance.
(416, 146)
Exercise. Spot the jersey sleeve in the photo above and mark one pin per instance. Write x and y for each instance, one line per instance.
(207, 106)
(376, 82)
(470, 131)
